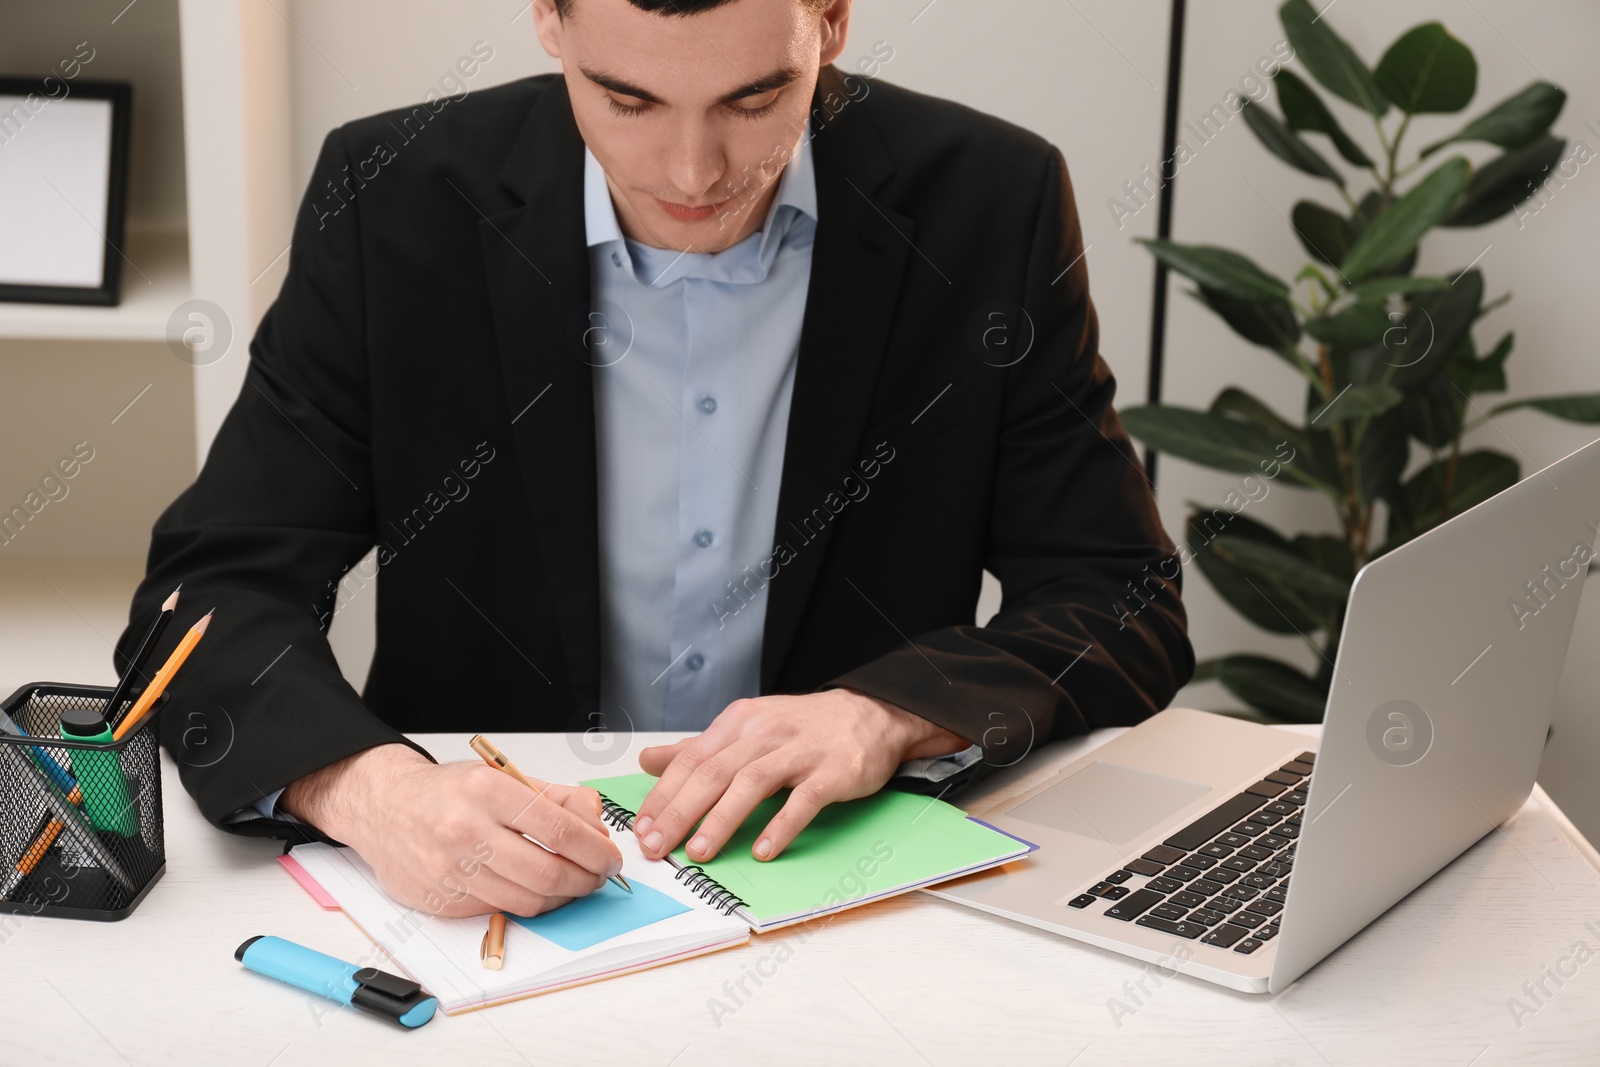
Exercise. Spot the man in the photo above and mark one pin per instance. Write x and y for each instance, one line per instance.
(690, 389)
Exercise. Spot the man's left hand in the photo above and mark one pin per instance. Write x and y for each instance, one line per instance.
(826, 747)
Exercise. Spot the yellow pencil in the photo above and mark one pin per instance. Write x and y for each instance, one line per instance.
(496, 759)
(158, 684)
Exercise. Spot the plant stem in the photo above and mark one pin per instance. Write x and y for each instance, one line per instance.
(1388, 151)
(1341, 449)
(1450, 477)
(1394, 149)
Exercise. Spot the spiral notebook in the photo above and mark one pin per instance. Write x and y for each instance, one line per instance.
(603, 935)
(851, 854)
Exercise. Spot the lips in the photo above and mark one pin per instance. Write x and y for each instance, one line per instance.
(684, 213)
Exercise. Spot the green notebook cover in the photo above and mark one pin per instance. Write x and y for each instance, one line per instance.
(852, 852)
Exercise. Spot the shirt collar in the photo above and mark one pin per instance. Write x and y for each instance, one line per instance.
(796, 196)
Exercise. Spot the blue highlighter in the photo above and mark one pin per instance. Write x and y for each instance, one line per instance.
(396, 999)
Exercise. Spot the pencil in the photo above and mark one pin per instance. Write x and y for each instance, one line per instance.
(158, 684)
(493, 949)
(136, 663)
(496, 759)
(163, 678)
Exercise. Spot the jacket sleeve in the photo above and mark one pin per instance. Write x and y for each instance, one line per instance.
(1090, 631)
(282, 505)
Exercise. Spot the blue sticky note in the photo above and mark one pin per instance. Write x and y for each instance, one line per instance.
(602, 915)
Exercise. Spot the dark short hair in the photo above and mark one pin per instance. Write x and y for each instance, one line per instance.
(670, 8)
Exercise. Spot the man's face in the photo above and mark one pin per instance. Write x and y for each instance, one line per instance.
(692, 117)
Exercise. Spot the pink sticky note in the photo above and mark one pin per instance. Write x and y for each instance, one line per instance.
(308, 883)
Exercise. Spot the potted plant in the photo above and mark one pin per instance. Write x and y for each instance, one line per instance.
(1388, 356)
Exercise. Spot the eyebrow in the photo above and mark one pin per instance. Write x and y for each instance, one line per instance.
(764, 84)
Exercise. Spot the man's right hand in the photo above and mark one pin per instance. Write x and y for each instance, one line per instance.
(447, 838)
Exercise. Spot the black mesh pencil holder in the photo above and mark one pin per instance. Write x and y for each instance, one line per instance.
(80, 821)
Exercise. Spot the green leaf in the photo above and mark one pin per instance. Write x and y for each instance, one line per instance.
(1513, 122)
(1326, 235)
(1356, 402)
(1377, 288)
(1284, 144)
(1382, 455)
(1286, 569)
(1358, 324)
(1329, 59)
(1303, 109)
(1237, 587)
(1269, 323)
(1479, 475)
(1506, 181)
(1486, 375)
(1433, 412)
(1579, 407)
(1272, 687)
(1201, 437)
(1218, 268)
(1329, 554)
(1304, 467)
(1428, 71)
(1396, 232)
(1434, 327)
(1367, 212)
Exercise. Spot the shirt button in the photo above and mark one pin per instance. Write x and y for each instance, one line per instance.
(616, 259)
(704, 538)
(695, 662)
(708, 404)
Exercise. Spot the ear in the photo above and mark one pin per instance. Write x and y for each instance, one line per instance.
(547, 24)
(835, 27)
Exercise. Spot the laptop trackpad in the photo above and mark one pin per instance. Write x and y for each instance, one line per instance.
(1108, 802)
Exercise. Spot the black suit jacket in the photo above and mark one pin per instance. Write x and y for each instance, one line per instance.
(422, 384)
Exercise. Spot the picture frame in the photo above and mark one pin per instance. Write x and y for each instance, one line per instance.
(63, 189)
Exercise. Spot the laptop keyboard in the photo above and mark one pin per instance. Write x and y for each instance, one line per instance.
(1223, 878)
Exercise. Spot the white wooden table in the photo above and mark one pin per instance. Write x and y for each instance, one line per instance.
(912, 980)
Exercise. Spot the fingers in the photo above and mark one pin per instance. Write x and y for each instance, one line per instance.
(806, 799)
(582, 802)
(655, 759)
(522, 874)
(674, 763)
(468, 906)
(750, 786)
(571, 835)
(699, 785)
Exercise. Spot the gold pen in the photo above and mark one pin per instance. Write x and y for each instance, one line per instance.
(493, 950)
(496, 759)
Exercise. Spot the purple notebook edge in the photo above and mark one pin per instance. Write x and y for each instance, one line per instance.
(1032, 847)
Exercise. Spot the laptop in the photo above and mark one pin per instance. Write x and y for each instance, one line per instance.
(1241, 854)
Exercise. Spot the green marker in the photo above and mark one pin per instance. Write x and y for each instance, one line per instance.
(99, 773)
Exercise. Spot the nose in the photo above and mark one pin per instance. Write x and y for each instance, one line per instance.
(696, 162)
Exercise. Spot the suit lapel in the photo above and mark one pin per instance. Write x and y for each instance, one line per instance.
(538, 275)
(857, 263)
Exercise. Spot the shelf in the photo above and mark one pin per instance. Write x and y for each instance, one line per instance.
(155, 280)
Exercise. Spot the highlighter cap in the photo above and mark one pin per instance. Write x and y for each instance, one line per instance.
(82, 722)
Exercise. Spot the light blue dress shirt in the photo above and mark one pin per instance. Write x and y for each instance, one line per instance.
(694, 356)
(692, 392)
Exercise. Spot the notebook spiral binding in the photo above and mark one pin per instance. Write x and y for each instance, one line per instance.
(693, 877)
(708, 889)
(618, 816)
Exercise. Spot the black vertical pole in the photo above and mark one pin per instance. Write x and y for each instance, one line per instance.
(1169, 149)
